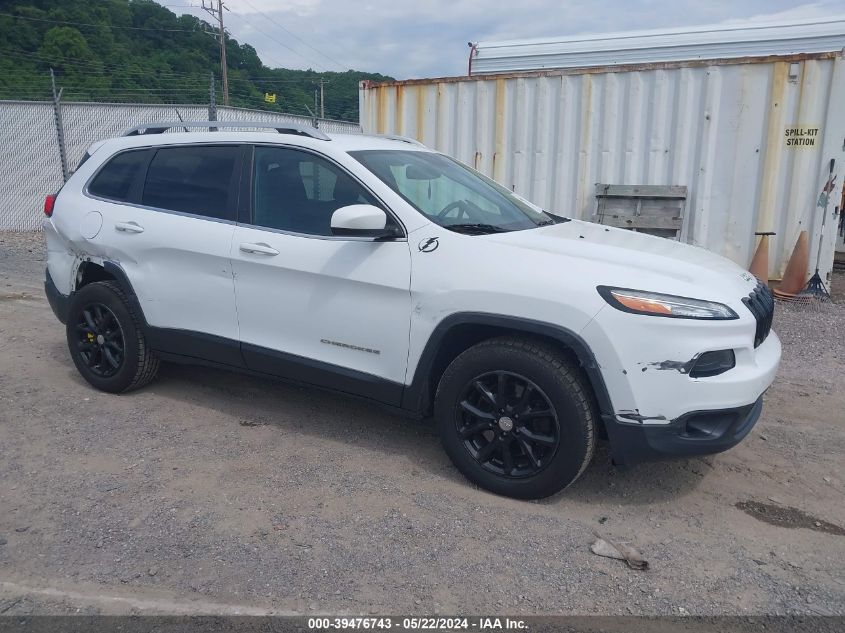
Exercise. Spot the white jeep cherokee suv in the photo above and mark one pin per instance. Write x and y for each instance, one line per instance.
(383, 269)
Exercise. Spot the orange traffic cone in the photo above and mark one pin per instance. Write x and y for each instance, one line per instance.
(760, 262)
(796, 270)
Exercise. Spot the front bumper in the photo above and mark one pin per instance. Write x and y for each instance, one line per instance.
(58, 302)
(695, 433)
(644, 362)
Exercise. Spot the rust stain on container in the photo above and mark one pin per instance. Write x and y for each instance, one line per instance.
(773, 148)
(399, 111)
(499, 132)
(381, 112)
(438, 124)
(582, 186)
(420, 113)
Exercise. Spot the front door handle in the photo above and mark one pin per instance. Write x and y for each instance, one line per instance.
(129, 227)
(259, 249)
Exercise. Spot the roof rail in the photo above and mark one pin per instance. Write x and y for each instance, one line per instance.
(280, 127)
(397, 137)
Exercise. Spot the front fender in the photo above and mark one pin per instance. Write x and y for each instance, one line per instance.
(416, 395)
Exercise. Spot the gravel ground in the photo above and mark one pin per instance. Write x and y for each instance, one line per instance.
(209, 492)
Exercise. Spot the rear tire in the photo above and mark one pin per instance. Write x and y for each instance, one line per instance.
(516, 417)
(106, 340)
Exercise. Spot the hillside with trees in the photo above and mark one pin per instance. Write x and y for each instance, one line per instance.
(139, 51)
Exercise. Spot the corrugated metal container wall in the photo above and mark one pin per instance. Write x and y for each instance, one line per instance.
(719, 128)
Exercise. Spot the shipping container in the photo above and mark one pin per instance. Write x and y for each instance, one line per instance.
(748, 139)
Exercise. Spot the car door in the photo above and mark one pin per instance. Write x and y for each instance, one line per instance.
(170, 230)
(327, 310)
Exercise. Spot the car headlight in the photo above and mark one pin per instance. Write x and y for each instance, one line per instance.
(657, 304)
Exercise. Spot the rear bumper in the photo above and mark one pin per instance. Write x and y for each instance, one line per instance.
(58, 302)
(695, 433)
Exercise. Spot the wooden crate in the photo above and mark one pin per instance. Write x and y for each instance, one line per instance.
(654, 209)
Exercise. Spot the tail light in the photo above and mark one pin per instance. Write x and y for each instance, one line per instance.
(49, 203)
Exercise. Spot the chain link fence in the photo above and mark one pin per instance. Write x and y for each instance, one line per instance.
(30, 163)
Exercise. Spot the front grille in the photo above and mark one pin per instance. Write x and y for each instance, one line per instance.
(762, 306)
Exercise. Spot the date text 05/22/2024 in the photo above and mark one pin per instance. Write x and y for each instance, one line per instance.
(491, 623)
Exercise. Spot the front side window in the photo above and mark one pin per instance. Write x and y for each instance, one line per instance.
(114, 181)
(298, 191)
(450, 194)
(192, 180)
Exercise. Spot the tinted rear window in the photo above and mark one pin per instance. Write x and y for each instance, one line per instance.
(115, 180)
(192, 180)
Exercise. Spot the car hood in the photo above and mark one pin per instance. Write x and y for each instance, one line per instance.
(622, 258)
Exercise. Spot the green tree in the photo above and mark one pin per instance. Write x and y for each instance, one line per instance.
(140, 51)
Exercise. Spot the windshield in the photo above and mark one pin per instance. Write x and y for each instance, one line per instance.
(451, 194)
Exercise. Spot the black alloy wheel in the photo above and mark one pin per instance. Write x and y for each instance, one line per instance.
(517, 416)
(105, 337)
(508, 425)
(100, 340)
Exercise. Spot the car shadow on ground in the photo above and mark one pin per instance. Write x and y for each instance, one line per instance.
(251, 401)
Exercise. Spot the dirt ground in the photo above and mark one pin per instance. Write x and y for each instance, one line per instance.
(210, 492)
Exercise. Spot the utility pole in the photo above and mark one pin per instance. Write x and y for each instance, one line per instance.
(322, 100)
(315, 104)
(217, 14)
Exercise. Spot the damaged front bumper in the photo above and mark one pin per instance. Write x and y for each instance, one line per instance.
(657, 405)
(695, 433)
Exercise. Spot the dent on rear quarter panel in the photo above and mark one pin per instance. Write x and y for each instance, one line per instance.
(61, 260)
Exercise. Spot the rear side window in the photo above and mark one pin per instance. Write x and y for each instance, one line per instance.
(193, 180)
(115, 180)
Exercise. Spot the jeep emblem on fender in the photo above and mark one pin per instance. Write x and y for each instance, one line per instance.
(428, 244)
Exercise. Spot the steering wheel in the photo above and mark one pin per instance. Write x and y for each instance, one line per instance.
(457, 204)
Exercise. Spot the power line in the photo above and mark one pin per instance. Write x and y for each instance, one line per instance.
(98, 26)
(278, 41)
(121, 71)
(294, 35)
(92, 65)
(201, 78)
(273, 60)
(278, 63)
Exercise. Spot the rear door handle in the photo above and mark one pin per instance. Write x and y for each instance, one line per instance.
(129, 227)
(259, 249)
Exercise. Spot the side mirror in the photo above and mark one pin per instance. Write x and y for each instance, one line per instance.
(360, 220)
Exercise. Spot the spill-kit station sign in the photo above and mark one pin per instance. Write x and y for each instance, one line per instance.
(802, 136)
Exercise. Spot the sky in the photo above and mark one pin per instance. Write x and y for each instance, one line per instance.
(428, 38)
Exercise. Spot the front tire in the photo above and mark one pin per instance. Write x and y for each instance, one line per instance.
(106, 341)
(516, 417)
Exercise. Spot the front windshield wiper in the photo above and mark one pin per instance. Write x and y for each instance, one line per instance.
(476, 228)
